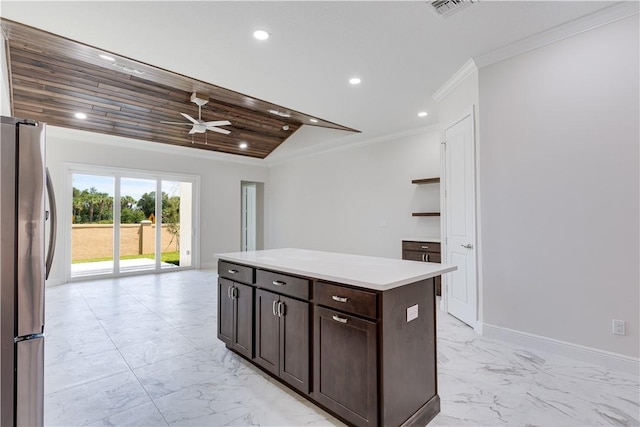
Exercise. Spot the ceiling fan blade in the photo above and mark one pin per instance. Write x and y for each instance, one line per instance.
(218, 123)
(192, 131)
(191, 119)
(177, 123)
(215, 129)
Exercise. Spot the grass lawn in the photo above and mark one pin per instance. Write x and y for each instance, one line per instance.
(169, 257)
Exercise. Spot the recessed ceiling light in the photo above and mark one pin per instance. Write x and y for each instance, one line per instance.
(243, 145)
(107, 57)
(355, 81)
(261, 34)
(80, 116)
(313, 120)
(422, 114)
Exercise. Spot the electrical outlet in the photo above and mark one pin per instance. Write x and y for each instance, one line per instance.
(412, 313)
(618, 327)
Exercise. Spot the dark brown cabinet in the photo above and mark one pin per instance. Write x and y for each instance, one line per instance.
(235, 316)
(367, 356)
(282, 337)
(345, 366)
(423, 251)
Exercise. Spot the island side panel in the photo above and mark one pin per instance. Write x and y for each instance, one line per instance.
(409, 380)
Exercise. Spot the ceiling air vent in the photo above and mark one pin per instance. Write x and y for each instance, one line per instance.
(447, 7)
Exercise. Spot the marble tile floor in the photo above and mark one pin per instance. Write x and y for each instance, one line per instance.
(142, 351)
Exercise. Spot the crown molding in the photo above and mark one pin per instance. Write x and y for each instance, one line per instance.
(454, 81)
(613, 13)
(313, 151)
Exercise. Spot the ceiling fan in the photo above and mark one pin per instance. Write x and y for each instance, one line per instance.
(198, 125)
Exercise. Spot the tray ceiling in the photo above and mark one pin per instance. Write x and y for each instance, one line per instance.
(52, 78)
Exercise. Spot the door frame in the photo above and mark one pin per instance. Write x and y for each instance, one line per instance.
(468, 112)
(118, 173)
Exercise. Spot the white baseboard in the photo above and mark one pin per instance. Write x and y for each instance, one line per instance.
(604, 358)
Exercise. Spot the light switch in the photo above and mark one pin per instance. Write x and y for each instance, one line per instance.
(412, 313)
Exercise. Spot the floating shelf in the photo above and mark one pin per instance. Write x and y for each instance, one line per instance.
(426, 181)
(425, 214)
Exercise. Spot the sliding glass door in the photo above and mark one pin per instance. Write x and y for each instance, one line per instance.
(92, 210)
(141, 233)
(137, 235)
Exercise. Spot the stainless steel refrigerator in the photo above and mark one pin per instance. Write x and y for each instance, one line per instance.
(24, 266)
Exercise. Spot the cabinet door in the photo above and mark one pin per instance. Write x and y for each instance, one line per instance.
(225, 312)
(345, 366)
(243, 317)
(267, 325)
(294, 343)
(414, 255)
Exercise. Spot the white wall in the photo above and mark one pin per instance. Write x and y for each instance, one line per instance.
(560, 189)
(5, 98)
(357, 200)
(219, 227)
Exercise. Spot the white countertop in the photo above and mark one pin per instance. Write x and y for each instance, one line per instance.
(423, 239)
(368, 272)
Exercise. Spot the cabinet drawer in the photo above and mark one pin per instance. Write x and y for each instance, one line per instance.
(421, 246)
(346, 299)
(296, 287)
(235, 272)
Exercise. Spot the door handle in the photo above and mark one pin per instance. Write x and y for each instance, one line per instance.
(280, 309)
(273, 307)
(229, 292)
(467, 246)
(52, 226)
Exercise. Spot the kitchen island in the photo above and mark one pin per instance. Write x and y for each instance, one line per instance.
(354, 334)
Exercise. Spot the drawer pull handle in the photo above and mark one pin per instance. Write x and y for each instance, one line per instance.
(279, 283)
(339, 319)
(339, 299)
(232, 271)
(425, 247)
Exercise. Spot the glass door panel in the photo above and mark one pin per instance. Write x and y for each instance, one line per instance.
(176, 224)
(92, 224)
(137, 224)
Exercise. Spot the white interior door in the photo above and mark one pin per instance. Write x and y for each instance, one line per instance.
(460, 218)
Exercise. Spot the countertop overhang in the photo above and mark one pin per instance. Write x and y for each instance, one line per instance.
(368, 272)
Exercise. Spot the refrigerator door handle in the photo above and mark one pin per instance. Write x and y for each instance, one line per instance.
(52, 225)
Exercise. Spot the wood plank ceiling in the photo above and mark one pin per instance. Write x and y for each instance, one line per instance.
(52, 78)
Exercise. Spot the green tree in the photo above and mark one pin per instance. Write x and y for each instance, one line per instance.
(147, 203)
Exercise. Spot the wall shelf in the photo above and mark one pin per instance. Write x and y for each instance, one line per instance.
(426, 181)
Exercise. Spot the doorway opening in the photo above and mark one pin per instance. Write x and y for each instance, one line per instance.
(252, 212)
